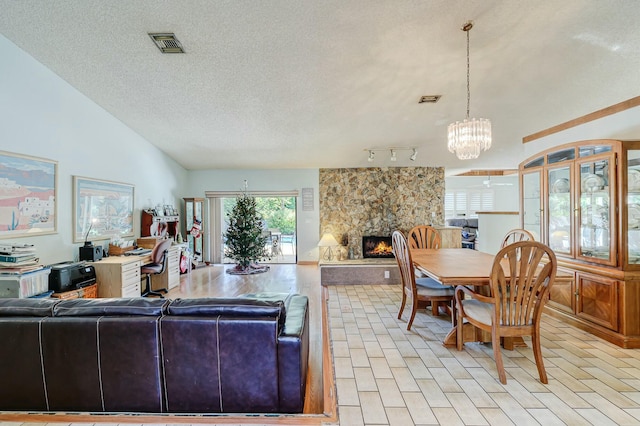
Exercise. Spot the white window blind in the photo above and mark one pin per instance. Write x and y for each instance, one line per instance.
(467, 202)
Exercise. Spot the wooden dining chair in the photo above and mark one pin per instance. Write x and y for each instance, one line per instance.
(424, 237)
(516, 235)
(521, 276)
(422, 291)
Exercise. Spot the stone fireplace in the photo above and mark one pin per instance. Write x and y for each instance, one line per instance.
(376, 201)
(376, 247)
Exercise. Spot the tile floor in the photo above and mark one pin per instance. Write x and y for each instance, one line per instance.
(386, 375)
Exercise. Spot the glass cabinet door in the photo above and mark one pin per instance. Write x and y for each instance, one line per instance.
(596, 237)
(633, 207)
(531, 203)
(559, 210)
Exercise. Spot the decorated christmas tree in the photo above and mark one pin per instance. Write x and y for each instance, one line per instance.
(245, 242)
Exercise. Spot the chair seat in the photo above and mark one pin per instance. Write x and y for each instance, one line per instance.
(435, 292)
(430, 283)
(152, 268)
(477, 310)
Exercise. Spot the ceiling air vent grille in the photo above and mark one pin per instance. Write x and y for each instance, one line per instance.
(167, 42)
(429, 99)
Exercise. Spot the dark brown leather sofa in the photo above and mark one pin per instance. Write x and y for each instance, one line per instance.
(211, 355)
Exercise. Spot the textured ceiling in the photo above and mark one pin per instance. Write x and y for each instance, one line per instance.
(306, 84)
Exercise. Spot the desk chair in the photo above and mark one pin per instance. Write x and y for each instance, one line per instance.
(159, 259)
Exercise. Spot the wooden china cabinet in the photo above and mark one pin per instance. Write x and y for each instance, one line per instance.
(582, 199)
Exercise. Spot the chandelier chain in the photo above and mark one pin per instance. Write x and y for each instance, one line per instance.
(468, 137)
(468, 78)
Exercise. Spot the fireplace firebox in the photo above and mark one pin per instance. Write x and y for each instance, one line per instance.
(376, 247)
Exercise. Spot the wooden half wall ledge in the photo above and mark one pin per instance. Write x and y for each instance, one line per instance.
(613, 109)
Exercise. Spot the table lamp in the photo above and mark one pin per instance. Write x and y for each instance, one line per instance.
(328, 241)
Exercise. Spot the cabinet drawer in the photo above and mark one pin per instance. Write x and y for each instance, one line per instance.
(132, 290)
(131, 266)
(174, 279)
(130, 277)
(597, 299)
(562, 294)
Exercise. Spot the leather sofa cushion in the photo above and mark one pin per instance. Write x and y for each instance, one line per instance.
(22, 386)
(93, 364)
(228, 307)
(27, 307)
(110, 307)
(233, 368)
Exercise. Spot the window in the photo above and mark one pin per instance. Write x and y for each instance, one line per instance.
(467, 202)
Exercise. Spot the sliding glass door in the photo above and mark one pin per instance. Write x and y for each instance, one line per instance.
(279, 227)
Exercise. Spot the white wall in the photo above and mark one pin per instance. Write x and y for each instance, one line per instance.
(493, 228)
(270, 180)
(624, 125)
(41, 115)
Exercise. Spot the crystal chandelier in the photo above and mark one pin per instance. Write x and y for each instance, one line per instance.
(472, 135)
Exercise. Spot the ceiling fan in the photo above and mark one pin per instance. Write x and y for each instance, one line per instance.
(488, 183)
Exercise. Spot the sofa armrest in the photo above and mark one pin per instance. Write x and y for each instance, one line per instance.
(293, 355)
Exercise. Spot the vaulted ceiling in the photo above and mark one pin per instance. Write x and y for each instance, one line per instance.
(315, 83)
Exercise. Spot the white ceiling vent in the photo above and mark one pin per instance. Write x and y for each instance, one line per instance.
(167, 42)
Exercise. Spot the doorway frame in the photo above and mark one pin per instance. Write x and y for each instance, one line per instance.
(216, 243)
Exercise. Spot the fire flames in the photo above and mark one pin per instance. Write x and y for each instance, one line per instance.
(382, 248)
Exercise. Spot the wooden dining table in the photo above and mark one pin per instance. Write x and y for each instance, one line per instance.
(456, 266)
(451, 267)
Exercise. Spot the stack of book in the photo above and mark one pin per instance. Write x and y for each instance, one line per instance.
(18, 258)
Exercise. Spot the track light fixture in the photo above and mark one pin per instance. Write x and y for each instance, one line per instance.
(393, 151)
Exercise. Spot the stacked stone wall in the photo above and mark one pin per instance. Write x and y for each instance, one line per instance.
(378, 200)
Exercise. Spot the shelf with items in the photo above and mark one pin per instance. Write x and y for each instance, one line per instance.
(595, 233)
(531, 202)
(155, 225)
(589, 214)
(195, 228)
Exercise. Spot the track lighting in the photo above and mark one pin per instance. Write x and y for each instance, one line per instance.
(394, 153)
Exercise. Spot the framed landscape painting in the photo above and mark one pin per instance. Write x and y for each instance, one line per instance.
(102, 210)
(27, 195)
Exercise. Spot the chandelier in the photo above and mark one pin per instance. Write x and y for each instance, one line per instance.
(471, 135)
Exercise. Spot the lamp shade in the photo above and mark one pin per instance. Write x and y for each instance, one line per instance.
(327, 240)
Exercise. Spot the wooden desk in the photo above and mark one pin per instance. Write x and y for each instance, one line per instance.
(119, 276)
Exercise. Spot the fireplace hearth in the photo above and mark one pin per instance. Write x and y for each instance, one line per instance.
(377, 247)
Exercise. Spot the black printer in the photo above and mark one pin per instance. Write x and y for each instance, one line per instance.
(65, 276)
